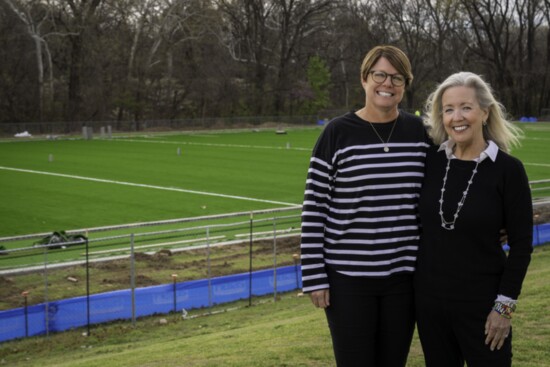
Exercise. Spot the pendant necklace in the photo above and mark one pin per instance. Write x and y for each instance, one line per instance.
(386, 148)
(451, 225)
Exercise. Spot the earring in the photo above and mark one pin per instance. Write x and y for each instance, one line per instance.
(484, 123)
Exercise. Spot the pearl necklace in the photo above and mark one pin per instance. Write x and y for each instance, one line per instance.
(451, 225)
(386, 148)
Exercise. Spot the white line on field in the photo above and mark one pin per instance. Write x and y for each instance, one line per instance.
(146, 186)
(213, 144)
(534, 138)
(537, 164)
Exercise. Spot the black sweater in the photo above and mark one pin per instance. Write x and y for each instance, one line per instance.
(469, 262)
(360, 212)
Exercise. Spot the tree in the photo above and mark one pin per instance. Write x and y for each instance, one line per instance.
(545, 95)
(78, 16)
(293, 21)
(529, 18)
(249, 42)
(36, 18)
(82, 60)
(438, 30)
(17, 69)
(491, 38)
(315, 94)
(410, 18)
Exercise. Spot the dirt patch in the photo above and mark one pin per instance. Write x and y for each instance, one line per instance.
(110, 265)
(10, 293)
(5, 281)
(150, 269)
(541, 214)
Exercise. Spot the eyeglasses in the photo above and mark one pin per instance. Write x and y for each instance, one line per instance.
(380, 77)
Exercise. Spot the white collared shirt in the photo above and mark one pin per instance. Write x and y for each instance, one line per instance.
(491, 151)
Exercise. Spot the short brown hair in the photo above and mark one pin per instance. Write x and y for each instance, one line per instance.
(394, 55)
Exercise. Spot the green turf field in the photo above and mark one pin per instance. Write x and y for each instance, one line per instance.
(535, 152)
(125, 180)
(67, 184)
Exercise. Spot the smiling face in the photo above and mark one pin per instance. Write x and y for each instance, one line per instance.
(384, 96)
(462, 116)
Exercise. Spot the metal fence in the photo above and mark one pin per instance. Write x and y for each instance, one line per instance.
(224, 253)
(175, 235)
(540, 186)
(219, 250)
(98, 127)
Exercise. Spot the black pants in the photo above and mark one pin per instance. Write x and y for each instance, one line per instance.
(371, 320)
(453, 332)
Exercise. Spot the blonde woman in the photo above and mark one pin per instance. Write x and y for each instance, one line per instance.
(466, 286)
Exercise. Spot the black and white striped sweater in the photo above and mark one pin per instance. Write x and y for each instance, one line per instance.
(360, 211)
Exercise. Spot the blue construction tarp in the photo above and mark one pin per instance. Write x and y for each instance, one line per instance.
(104, 307)
(541, 235)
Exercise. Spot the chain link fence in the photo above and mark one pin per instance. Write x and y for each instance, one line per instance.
(104, 128)
(146, 268)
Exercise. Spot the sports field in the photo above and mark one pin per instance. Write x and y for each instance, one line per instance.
(68, 184)
(65, 184)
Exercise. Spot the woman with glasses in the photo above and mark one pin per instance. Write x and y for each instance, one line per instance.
(360, 228)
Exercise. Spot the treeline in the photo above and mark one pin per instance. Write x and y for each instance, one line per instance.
(84, 60)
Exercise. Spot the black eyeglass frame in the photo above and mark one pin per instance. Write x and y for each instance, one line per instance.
(392, 76)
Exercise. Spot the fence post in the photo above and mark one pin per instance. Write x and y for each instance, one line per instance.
(296, 257)
(174, 277)
(46, 304)
(87, 288)
(25, 294)
(209, 269)
(250, 263)
(537, 228)
(274, 260)
(133, 279)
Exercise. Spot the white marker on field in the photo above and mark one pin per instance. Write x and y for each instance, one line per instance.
(176, 189)
(212, 144)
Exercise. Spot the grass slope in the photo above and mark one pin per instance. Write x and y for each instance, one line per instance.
(289, 332)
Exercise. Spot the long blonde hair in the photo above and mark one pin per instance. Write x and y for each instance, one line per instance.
(498, 128)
